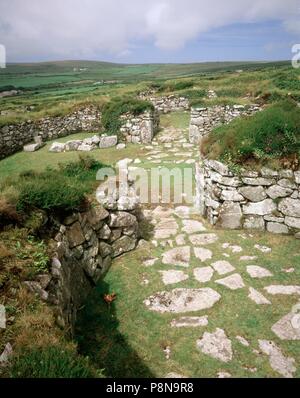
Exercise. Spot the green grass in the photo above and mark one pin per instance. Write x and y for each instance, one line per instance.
(268, 135)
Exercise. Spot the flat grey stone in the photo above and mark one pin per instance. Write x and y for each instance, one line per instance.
(231, 196)
(257, 297)
(233, 282)
(57, 147)
(171, 277)
(242, 341)
(263, 249)
(183, 300)
(182, 211)
(223, 267)
(204, 239)
(258, 272)
(288, 327)
(254, 222)
(108, 142)
(216, 345)
(191, 226)
(85, 148)
(285, 366)
(254, 194)
(150, 262)
(2, 317)
(290, 207)
(32, 147)
(263, 208)
(180, 240)
(6, 355)
(190, 321)
(203, 274)
(292, 222)
(166, 228)
(180, 256)
(203, 254)
(276, 228)
(230, 215)
(284, 290)
(248, 258)
(224, 375)
(277, 191)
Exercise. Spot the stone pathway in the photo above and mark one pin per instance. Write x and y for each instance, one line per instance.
(186, 240)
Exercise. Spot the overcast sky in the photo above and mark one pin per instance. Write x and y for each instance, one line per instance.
(149, 30)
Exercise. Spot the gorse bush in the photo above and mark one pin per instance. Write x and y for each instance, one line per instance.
(112, 111)
(84, 169)
(50, 363)
(271, 134)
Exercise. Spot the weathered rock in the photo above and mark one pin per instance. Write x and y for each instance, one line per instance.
(191, 321)
(71, 146)
(171, 277)
(57, 147)
(297, 177)
(203, 274)
(216, 345)
(182, 211)
(233, 282)
(85, 148)
(180, 240)
(276, 228)
(284, 290)
(183, 300)
(2, 317)
(33, 147)
(180, 256)
(290, 207)
(288, 327)
(122, 219)
(150, 262)
(223, 267)
(105, 249)
(286, 183)
(120, 146)
(231, 196)
(108, 142)
(123, 245)
(281, 364)
(104, 233)
(254, 222)
(166, 228)
(191, 226)
(230, 215)
(257, 297)
(276, 191)
(258, 272)
(204, 239)
(203, 254)
(292, 222)
(260, 208)
(219, 167)
(6, 355)
(263, 249)
(258, 181)
(242, 341)
(75, 235)
(36, 288)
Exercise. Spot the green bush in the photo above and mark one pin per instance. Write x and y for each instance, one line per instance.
(84, 169)
(112, 111)
(271, 134)
(176, 86)
(287, 81)
(50, 363)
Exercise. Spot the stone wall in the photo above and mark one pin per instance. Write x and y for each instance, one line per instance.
(14, 137)
(266, 200)
(167, 104)
(139, 129)
(203, 120)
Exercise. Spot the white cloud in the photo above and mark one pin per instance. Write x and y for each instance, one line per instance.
(87, 28)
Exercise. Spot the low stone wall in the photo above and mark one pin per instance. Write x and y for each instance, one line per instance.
(14, 137)
(167, 104)
(139, 129)
(204, 120)
(266, 200)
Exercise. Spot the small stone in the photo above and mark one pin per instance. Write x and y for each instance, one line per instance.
(233, 282)
(224, 375)
(284, 290)
(191, 226)
(171, 277)
(203, 254)
(277, 191)
(204, 274)
(6, 355)
(223, 267)
(57, 147)
(248, 258)
(216, 345)
(254, 222)
(182, 211)
(260, 208)
(180, 240)
(2, 317)
(108, 142)
(150, 262)
(120, 146)
(258, 272)
(276, 228)
(292, 222)
(191, 321)
(179, 256)
(257, 297)
(174, 376)
(204, 239)
(254, 194)
(243, 341)
(279, 363)
(263, 249)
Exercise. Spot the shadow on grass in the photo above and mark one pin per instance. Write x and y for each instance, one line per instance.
(98, 338)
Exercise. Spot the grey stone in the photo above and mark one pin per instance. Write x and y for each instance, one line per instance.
(216, 345)
(2, 317)
(57, 147)
(231, 196)
(150, 262)
(166, 228)
(223, 267)
(297, 177)
(121, 146)
(123, 245)
(203, 274)
(171, 277)
(276, 228)
(288, 327)
(265, 172)
(32, 147)
(6, 355)
(203, 239)
(191, 321)
(75, 235)
(218, 167)
(227, 181)
(254, 194)
(276, 191)
(242, 341)
(254, 222)
(233, 282)
(274, 219)
(257, 297)
(192, 226)
(258, 272)
(122, 219)
(278, 362)
(290, 207)
(292, 222)
(230, 216)
(180, 256)
(258, 181)
(85, 148)
(108, 142)
(203, 254)
(260, 208)
(284, 290)
(183, 300)
(288, 184)
(263, 249)
(104, 233)
(36, 288)
(105, 249)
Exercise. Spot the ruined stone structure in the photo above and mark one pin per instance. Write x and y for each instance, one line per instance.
(139, 129)
(166, 104)
(266, 200)
(203, 120)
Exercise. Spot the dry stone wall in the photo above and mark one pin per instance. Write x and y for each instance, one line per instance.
(167, 104)
(204, 120)
(266, 200)
(14, 137)
(139, 129)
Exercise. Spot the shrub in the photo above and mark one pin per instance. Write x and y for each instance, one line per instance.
(271, 134)
(50, 363)
(112, 111)
(84, 169)
(288, 81)
(8, 213)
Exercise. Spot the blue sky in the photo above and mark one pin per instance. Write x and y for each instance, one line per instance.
(144, 31)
